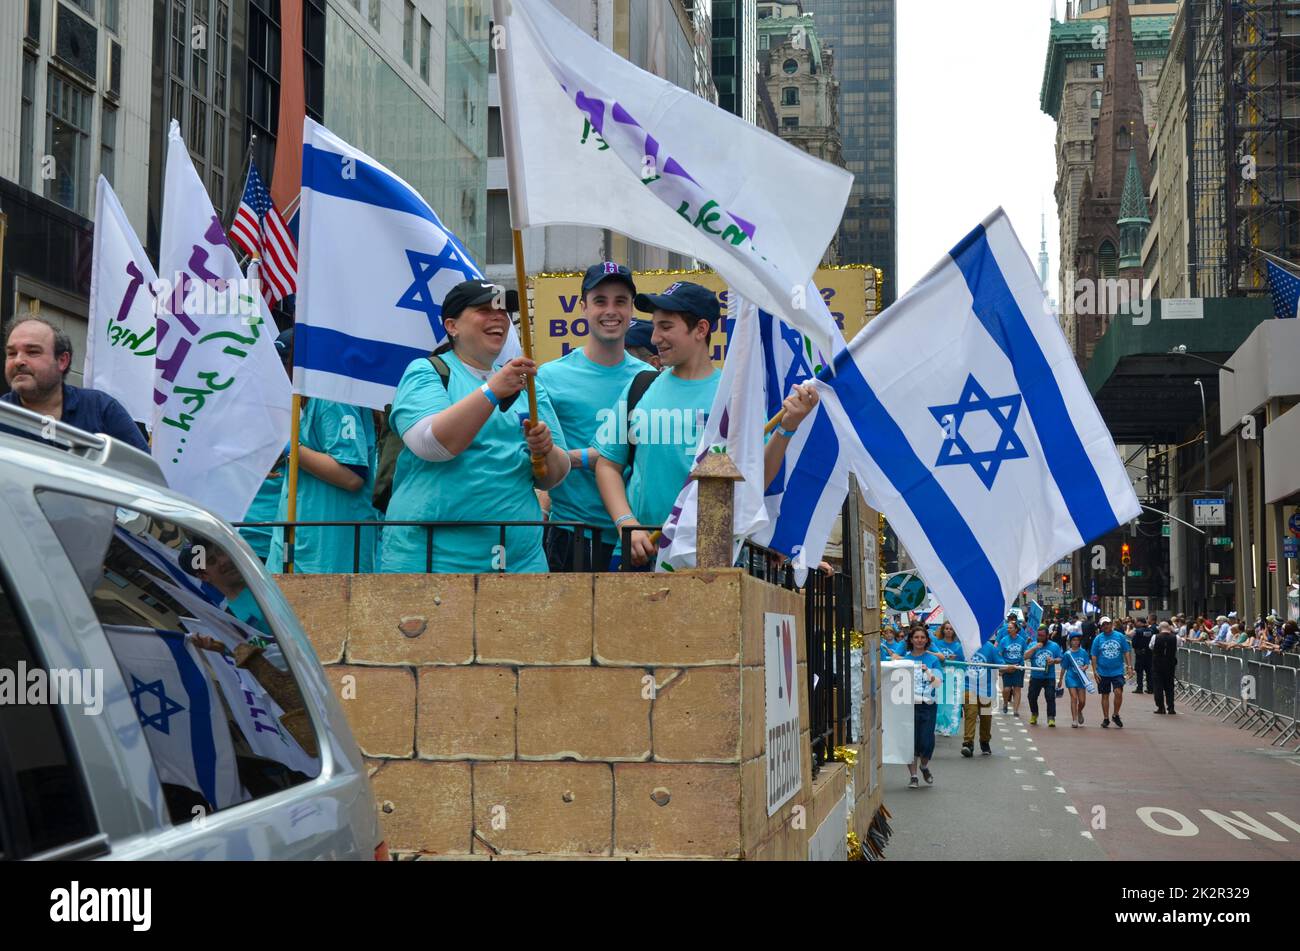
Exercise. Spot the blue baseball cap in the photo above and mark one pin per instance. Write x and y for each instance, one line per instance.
(683, 298)
(607, 271)
(639, 334)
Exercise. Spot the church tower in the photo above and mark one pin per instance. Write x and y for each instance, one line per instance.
(1119, 142)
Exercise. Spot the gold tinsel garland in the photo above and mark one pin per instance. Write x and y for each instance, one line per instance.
(656, 272)
(855, 848)
(846, 755)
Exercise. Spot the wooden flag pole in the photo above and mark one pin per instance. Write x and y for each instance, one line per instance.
(292, 513)
(526, 339)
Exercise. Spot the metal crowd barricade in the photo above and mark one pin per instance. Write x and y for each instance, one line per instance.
(1284, 699)
(1219, 695)
(1234, 705)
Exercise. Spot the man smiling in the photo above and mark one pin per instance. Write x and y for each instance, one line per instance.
(582, 383)
(38, 356)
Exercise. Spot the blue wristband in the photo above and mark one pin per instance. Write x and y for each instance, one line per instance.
(782, 431)
(586, 458)
(492, 397)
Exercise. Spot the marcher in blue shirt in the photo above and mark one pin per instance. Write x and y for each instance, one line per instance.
(893, 645)
(1043, 658)
(1012, 646)
(581, 384)
(1110, 666)
(948, 648)
(1074, 663)
(981, 688)
(37, 358)
(466, 449)
(926, 678)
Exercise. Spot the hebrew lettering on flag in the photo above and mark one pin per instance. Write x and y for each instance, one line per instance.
(120, 334)
(221, 397)
(590, 139)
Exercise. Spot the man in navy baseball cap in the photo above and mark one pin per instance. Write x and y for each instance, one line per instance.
(582, 384)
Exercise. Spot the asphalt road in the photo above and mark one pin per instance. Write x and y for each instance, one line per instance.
(1163, 788)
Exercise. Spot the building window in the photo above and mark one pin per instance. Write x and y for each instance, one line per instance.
(111, 14)
(408, 34)
(426, 33)
(790, 122)
(791, 66)
(1107, 260)
(1096, 99)
(107, 142)
(1293, 65)
(1098, 71)
(374, 15)
(496, 143)
(34, 21)
(790, 96)
(26, 144)
(765, 41)
(67, 140)
(1139, 68)
(87, 5)
(500, 246)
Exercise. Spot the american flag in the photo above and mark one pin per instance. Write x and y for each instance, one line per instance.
(261, 232)
(1285, 290)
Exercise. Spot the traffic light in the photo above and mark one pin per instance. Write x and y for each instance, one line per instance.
(1125, 558)
(1065, 581)
(1139, 604)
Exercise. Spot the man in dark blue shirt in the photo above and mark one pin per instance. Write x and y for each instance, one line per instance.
(37, 357)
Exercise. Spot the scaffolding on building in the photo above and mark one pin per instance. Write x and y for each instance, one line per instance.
(1243, 141)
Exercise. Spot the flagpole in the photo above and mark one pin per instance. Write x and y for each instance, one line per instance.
(291, 513)
(526, 340)
(1269, 254)
(232, 206)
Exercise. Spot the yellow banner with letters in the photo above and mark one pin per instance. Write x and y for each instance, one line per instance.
(851, 291)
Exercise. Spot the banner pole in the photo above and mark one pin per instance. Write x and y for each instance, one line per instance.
(292, 512)
(526, 340)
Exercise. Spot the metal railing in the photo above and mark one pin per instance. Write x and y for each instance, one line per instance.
(581, 530)
(1252, 689)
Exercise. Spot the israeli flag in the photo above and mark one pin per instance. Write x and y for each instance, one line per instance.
(374, 264)
(974, 432)
(805, 500)
(180, 712)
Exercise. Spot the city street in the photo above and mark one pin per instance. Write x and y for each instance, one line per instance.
(1080, 794)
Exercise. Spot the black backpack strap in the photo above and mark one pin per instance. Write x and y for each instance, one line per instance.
(444, 373)
(640, 383)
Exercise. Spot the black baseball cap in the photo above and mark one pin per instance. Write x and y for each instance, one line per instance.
(283, 344)
(469, 294)
(607, 271)
(683, 298)
(639, 334)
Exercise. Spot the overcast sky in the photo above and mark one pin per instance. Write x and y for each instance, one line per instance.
(971, 135)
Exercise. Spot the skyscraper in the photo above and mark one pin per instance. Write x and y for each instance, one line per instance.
(735, 56)
(863, 35)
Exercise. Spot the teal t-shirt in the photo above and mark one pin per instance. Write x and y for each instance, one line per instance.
(264, 508)
(1038, 661)
(1075, 662)
(666, 427)
(490, 481)
(346, 434)
(582, 393)
(1109, 650)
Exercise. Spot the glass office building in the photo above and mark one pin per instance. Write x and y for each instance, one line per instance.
(863, 35)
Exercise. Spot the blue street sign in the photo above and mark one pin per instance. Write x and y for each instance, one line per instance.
(1291, 548)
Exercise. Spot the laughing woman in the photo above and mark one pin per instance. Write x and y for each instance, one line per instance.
(467, 446)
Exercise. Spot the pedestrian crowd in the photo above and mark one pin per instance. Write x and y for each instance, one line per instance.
(1075, 658)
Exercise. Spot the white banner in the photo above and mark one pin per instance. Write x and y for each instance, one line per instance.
(592, 140)
(221, 413)
(785, 752)
(120, 336)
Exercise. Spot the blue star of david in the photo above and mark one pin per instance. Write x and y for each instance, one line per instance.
(957, 452)
(167, 707)
(424, 268)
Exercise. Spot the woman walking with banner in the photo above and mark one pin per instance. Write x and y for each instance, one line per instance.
(948, 647)
(1074, 675)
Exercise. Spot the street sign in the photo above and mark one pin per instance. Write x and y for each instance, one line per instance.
(1291, 548)
(1225, 540)
(1210, 511)
(1135, 573)
(1294, 524)
(1164, 529)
